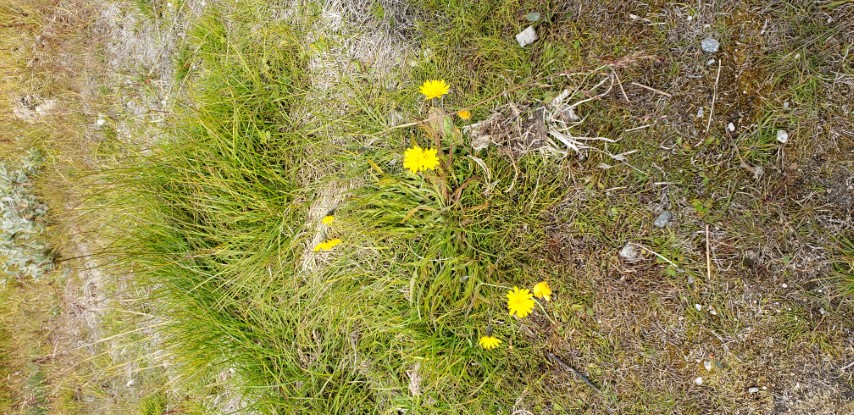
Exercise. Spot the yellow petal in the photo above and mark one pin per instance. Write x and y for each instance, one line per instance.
(542, 290)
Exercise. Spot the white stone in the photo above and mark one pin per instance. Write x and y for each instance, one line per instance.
(698, 307)
(526, 37)
(710, 45)
(731, 127)
(630, 253)
(753, 389)
(698, 381)
(782, 136)
(708, 365)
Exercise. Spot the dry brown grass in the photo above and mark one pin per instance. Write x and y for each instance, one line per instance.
(52, 88)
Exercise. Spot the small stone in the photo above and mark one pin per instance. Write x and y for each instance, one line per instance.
(708, 365)
(700, 113)
(690, 280)
(630, 252)
(526, 37)
(131, 383)
(710, 62)
(785, 285)
(786, 105)
(698, 381)
(782, 136)
(698, 307)
(730, 127)
(710, 45)
(712, 311)
(753, 389)
(100, 122)
(662, 219)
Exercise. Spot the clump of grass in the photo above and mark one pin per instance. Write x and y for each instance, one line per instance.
(218, 214)
(220, 206)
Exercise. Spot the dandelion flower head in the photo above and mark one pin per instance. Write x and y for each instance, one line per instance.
(420, 159)
(489, 342)
(542, 290)
(464, 114)
(520, 302)
(327, 245)
(434, 88)
(327, 219)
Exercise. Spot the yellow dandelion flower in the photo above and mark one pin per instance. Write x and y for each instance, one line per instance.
(429, 159)
(542, 290)
(434, 88)
(489, 342)
(420, 159)
(464, 114)
(520, 302)
(327, 219)
(327, 245)
(412, 159)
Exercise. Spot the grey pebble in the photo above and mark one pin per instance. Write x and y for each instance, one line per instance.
(663, 219)
(753, 389)
(710, 45)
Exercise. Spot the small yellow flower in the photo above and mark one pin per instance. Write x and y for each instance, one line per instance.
(520, 302)
(434, 89)
(542, 290)
(420, 159)
(489, 342)
(327, 245)
(412, 159)
(429, 159)
(464, 115)
(327, 219)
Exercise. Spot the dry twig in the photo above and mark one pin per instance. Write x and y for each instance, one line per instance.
(572, 370)
(714, 97)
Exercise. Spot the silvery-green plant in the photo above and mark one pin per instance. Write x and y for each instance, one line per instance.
(22, 246)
